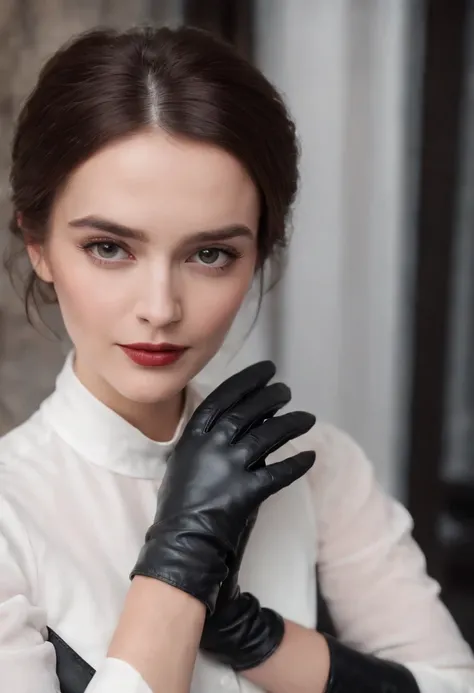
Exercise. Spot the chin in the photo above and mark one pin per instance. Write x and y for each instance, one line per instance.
(150, 390)
(154, 385)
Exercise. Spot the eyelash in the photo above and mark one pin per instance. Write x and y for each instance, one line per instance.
(232, 253)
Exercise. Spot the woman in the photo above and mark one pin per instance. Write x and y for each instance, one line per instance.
(152, 178)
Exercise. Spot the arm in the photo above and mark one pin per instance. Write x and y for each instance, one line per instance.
(27, 662)
(159, 625)
(300, 665)
(27, 659)
(373, 575)
(308, 662)
(395, 634)
(153, 648)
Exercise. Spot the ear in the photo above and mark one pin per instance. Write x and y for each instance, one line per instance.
(39, 261)
(36, 251)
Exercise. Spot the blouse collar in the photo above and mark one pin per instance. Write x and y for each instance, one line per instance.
(101, 435)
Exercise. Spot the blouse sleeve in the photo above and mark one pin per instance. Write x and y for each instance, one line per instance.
(373, 574)
(27, 659)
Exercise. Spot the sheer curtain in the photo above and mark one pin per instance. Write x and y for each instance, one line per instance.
(336, 322)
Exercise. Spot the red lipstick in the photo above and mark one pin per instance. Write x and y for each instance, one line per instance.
(153, 355)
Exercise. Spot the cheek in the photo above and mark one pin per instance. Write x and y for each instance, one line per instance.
(85, 304)
(213, 308)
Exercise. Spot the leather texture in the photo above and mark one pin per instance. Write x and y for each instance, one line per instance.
(216, 479)
(243, 634)
(73, 672)
(240, 633)
(353, 672)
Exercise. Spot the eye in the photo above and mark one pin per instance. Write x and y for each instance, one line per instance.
(106, 251)
(211, 256)
(215, 258)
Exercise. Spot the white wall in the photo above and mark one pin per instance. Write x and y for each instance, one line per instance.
(335, 324)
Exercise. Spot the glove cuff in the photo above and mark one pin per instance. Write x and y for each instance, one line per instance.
(353, 672)
(162, 559)
(242, 634)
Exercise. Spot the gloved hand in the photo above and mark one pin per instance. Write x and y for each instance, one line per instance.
(354, 672)
(214, 481)
(240, 633)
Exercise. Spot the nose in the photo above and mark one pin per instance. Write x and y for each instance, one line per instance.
(159, 302)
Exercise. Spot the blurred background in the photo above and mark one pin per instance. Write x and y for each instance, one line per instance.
(372, 324)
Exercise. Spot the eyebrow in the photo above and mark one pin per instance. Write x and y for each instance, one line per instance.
(108, 226)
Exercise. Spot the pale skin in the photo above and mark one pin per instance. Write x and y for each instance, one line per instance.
(154, 239)
(159, 633)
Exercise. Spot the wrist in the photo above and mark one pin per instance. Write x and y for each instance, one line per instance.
(167, 559)
(300, 663)
(158, 632)
(150, 607)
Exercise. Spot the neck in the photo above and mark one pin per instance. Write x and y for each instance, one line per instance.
(157, 421)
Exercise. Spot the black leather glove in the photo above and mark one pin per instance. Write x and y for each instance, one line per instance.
(214, 481)
(353, 672)
(240, 633)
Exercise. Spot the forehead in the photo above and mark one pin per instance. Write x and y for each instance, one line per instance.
(154, 180)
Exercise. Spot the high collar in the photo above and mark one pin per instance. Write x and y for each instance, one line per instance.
(103, 437)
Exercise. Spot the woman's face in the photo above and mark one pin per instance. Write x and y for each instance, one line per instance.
(153, 240)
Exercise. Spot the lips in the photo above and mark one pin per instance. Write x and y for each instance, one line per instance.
(153, 355)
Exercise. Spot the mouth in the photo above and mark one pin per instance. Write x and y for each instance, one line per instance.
(153, 355)
(148, 346)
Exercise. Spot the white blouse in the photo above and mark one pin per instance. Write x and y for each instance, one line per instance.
(78, 491)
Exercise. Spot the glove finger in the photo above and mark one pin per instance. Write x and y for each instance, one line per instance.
(230, 393)
(274, 477)
(273, 434)
(254, 410)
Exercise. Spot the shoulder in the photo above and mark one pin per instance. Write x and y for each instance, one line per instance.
(27, 456)
(20, 495)
(24, 439)
(21, 451)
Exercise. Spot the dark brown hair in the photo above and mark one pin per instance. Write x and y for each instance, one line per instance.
(104, 85)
